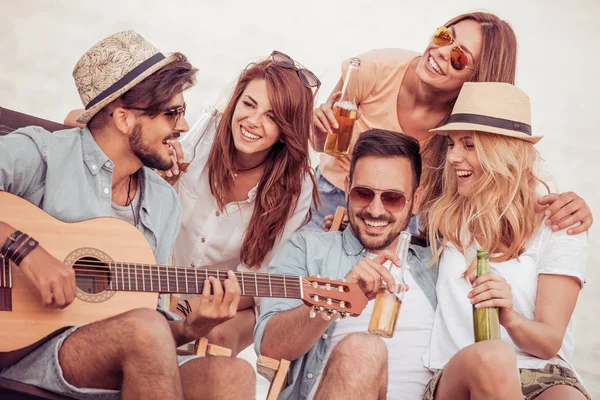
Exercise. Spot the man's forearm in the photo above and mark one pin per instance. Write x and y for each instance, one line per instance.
(291, 334)
(183, 333)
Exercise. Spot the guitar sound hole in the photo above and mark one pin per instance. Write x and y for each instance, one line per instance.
(92, 275)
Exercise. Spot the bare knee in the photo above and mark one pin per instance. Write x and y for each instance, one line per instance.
(361, 350)
(492, 360)
(145, 329)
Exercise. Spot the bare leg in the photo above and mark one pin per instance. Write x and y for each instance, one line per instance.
(356, 369)
(484, 370)
(236, 334)
(221, 378)
(133, 352)
(561, 392)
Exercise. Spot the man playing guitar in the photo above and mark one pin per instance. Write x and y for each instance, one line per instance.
(134, 103)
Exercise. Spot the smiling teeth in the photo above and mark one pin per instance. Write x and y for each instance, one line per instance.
(377, 224)
(249, 135)
(434, 65)
(464, 173)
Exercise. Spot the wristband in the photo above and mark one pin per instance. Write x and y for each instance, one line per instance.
(9, 241)
(27, 248)
(15, 246)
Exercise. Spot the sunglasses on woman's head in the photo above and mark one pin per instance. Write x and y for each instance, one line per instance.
(307, 78)
(361, 197)
(458, 56)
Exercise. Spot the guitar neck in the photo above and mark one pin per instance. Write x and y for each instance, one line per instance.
(170, 279)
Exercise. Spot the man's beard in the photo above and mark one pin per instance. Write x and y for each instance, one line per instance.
(147, 156)
(378, 244)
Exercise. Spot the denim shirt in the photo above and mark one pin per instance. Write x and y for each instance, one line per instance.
(331, 255)
(66, 174)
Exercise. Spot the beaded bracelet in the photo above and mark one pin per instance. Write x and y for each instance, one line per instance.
(9, 241)
(27, 248)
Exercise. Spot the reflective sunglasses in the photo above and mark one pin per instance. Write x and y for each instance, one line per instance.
(458, 57)
(361, 197)
(174, 113)
(307, 78)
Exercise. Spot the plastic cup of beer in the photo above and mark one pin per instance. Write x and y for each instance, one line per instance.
(337, 143)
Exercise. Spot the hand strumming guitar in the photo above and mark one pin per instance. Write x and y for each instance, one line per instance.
(213, 309)
(54, 280)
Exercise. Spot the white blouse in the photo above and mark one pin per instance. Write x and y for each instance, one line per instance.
(213, 239)
(547, 252)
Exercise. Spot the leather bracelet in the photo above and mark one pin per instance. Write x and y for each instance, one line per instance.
(9, 241)
(27, 248)
(15, 246)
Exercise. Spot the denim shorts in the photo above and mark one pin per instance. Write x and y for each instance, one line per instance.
(41, 369)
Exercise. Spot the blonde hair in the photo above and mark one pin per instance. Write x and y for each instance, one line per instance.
(497, 63)
(499, 211)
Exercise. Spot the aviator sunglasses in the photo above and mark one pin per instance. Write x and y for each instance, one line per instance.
(361, 197)
(458, 57)
(307, 78)
(174, 113)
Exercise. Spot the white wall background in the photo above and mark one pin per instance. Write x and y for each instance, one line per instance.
(40, 42)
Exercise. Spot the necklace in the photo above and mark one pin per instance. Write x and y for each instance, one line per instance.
(130, 201)
(236, 171)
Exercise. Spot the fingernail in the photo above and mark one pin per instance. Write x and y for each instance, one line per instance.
(477, 305)
(169, 174)
(555, 228)
(393, 288)
(469, 295)
(569, 232)
(548, 222)
(547, 212)
(176, 172)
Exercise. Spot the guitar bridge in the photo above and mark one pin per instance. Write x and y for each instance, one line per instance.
(5, 285)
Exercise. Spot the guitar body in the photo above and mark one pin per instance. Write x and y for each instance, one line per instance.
(24, 322)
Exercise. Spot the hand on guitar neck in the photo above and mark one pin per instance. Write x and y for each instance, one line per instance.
(213, 309)
(54, 280)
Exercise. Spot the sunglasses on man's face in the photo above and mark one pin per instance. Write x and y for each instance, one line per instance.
(307, 78)
(361, 197)
(458, 56)
(173, 114)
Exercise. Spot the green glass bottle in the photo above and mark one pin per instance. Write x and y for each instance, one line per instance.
(486, 323)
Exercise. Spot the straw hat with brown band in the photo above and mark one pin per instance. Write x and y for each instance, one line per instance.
(112, 67)
(491, 107)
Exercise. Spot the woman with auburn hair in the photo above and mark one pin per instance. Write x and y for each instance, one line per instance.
(412, 93)
(250, 185)
(488, 201)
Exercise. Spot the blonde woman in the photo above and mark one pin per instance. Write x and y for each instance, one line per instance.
(488, 202)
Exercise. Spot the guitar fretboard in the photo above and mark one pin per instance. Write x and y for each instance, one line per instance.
(169, 279)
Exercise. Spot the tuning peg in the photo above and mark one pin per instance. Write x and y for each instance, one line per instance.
(340, 288)
(344, 315)
(326, 315)
(342, 304)
(327, 286)
(316, 298)
(329, 302)
(313, 312)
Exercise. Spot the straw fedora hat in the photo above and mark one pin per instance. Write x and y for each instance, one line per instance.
(112, 67)
(492, 107)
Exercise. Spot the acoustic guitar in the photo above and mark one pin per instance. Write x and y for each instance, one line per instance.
(116, 272)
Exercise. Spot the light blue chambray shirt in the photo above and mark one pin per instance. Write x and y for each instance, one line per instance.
(333, 255)
(66, 174)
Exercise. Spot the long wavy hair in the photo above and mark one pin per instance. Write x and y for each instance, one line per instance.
(497, 63)
(499, 211)
(287, 163)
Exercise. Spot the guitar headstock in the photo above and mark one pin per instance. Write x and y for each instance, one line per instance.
(333, 296)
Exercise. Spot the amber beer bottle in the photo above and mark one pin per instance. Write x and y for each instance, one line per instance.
(486, 323)
(345, 111)
(387, 305)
